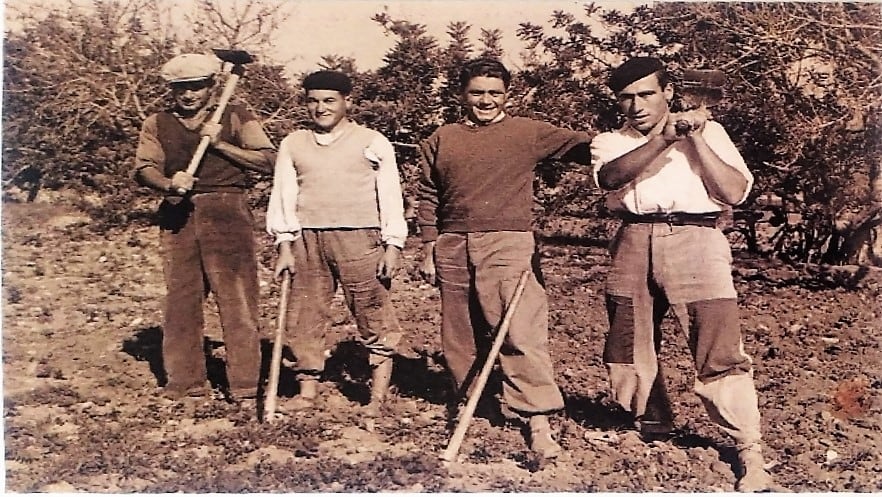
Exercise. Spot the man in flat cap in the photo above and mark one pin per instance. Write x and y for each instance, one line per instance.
(475, 215)
(206, 227)
(337, 214)
(669, 176)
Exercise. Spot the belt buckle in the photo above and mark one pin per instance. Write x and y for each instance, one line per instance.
(671, 219)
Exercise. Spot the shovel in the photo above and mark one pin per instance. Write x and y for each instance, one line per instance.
(462, 425)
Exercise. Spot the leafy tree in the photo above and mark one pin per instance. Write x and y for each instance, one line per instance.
(805, 140)
(76, 90)
(78, 82)
(802, 75)
(802, 102)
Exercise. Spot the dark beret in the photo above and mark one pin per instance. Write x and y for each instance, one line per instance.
(633, 70)
(328, 80)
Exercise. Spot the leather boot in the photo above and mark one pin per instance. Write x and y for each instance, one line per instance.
(754, 477)
(541, 441)
(380, 379)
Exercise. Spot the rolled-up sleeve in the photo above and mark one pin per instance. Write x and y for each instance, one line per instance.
(605, 147)
(149, 152)
(281, 215)
(719, 141)
(251, 134)
(393, 226)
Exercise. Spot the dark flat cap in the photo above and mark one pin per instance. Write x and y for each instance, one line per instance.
(328, 80)
(633, 70)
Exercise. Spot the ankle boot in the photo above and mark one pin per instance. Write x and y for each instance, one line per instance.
(380, 379)
(754, 477)
(305, 399)
(541, 441)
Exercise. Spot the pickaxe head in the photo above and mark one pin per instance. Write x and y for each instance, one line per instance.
(235, 57)
(702, 87)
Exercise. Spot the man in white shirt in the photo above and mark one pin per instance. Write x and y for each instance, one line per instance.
(337, 214)
(669, 177)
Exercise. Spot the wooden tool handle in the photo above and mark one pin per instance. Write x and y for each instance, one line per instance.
(463, 424)
(272, 387)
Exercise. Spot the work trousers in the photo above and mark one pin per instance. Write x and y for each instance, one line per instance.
(478, 273)
(687, 268)
(324, 259)
(208, 245)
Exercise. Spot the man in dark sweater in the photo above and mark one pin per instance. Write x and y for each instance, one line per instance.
(207, 233)
(475, 199)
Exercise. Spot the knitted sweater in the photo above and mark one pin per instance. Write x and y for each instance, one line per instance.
(480, 178)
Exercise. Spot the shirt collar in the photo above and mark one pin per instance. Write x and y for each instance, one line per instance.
(328, 138)
(495, 120)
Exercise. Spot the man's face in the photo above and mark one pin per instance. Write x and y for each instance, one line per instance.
(327, 108)
(484, 99)
(191, 96)
(645, 103)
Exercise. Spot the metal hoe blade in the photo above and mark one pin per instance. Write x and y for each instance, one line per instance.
(235, 57)
(702, 87)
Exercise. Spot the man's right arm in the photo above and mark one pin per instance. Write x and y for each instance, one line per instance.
(427, 209)
(281, 214)
(624, 169)
(149, 158)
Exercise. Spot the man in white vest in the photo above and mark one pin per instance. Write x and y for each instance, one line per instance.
(337, 214)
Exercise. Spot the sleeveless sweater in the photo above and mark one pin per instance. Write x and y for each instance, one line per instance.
(338, 184)
(216, 172)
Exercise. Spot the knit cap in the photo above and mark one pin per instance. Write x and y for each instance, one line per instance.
(328, 80)
(633, 70)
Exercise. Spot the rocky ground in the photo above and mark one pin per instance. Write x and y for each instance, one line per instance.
(81, 364)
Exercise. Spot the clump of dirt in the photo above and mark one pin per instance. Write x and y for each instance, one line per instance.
(82, 362)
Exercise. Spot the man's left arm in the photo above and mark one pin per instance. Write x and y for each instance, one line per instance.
(721, 166)
(393, 226)
(256, 152)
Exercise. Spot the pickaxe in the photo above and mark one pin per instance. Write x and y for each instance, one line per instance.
(700, 89)
(238, 58)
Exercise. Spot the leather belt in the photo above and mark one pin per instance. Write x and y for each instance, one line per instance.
(707, 219)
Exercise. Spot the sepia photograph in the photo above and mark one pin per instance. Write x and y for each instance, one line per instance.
(441, 246)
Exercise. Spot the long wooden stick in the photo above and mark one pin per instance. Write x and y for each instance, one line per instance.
(272, 388)
(227, 93)
(463, 424)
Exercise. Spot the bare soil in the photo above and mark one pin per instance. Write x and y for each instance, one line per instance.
(82, 363)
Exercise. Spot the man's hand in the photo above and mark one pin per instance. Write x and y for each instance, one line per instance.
(182, 182)
(685, 124)
(388, 265)
(212, 131)
(285, 262)
(427, 266)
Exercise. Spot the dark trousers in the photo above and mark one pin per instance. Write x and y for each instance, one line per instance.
(208, 246)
